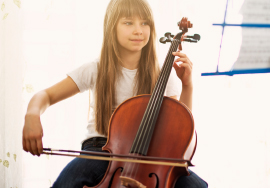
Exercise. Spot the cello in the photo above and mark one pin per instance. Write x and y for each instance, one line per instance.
(147, 128)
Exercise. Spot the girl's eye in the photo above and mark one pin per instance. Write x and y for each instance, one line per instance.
(128, 23)
(145, 23)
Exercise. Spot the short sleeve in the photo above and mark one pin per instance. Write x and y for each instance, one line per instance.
(85, 76)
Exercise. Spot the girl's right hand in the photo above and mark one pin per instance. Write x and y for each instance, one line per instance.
(32, 134)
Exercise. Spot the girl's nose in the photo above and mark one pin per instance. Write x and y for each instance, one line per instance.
(138, 30)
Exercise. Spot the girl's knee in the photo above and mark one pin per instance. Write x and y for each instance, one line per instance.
(191, 181)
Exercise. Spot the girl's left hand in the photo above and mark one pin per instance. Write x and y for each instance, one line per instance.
(183, 70)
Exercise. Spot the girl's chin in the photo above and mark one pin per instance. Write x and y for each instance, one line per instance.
(134, 50)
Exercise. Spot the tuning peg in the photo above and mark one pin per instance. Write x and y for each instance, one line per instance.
(168, 35)
(190, 40)
(196, 37)
(167, 38)
(163, 40)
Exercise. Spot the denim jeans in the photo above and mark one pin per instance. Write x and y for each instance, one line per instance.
(80, 172)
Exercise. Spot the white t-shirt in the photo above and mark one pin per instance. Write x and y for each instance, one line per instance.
(85, 78)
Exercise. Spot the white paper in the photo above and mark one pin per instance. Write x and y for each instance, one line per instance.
(255, 47)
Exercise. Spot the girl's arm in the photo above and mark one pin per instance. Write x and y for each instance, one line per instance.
(186, 96)
(184, 73)
(32, 130)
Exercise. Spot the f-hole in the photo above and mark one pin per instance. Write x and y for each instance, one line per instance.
(110, 184)
(150, 175)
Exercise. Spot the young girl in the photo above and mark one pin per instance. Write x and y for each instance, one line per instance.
(127, 67)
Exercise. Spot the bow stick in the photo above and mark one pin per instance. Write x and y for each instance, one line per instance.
(118, 157)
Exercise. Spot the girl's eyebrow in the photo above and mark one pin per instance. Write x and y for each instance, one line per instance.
(127, 18)
(131, 18)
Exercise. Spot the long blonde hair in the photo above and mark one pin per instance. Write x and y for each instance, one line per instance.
(109, 68)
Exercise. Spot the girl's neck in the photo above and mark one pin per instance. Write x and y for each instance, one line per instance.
(130, 60)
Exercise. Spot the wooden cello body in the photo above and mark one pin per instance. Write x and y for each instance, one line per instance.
(174, 137)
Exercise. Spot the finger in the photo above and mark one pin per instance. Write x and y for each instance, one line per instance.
(181, 59)
(178, 53)
(187, 67)
(33, 145)
(184, 60)
(176, 65)
(28, 146)
(182, 65)
(182, 55)
(24, 145)
(39, 146)
(178, 68)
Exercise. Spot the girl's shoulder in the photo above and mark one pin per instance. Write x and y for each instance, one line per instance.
(91, 65)
(85, 75)
(87, 69)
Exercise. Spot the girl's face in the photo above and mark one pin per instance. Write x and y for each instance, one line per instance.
(132, 34)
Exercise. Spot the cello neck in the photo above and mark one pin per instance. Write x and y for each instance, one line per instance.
(143, 137)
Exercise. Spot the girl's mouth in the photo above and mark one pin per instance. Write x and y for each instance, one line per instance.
(136, 40)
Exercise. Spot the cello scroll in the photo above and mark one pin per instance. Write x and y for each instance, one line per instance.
(183, 25)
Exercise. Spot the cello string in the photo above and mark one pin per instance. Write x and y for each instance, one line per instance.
(157, 94)
(158, 101)
(127, 166)
(155, 97)
(163, 83)
(160, 91)
(142, 129)
(164, 80)
(139, 141)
